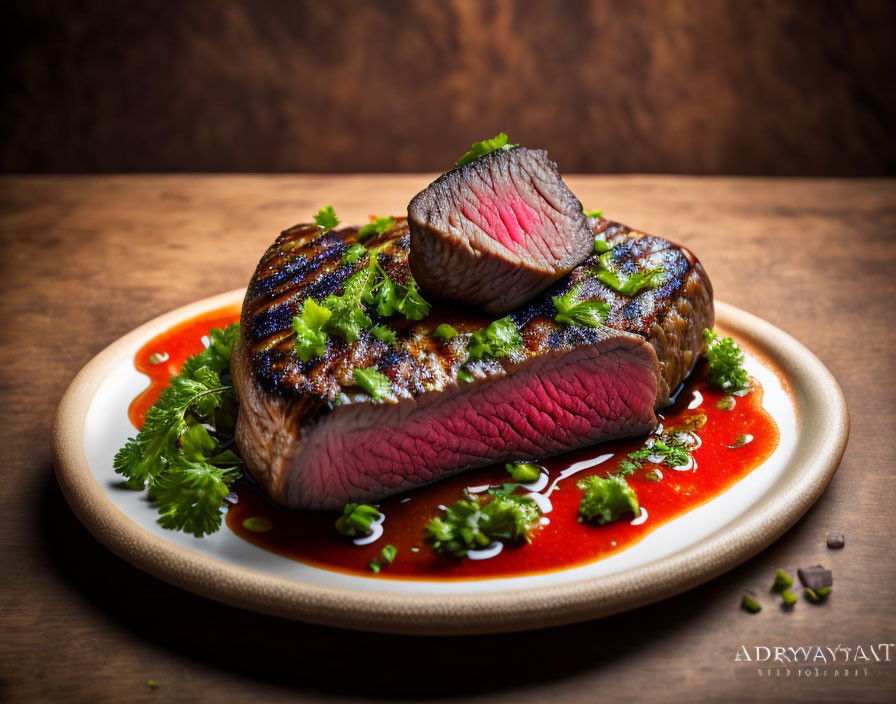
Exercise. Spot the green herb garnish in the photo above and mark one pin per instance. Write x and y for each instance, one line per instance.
(383, 334)
(726, 404)
(356, 519)
(525, 472)
(750, 605)
(606, 499)
(817, 595)
(377, 227)
(783, 581)
(725, 360)
(465, 376)
(630, 285)
(486, 146)
(473, 523)
(373, 382)
(499, 339)
(445, 332)
(311, 340)
(600, 246)
(391, 297)
(594, 213)
(572, 310)
(348, 317)
(386, 558)
(789, 598)
(354, 254)
(258, 524)
(326, 217)
(188, 474)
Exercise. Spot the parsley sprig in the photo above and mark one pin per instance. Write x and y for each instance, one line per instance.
(186, 469)
(725, 361)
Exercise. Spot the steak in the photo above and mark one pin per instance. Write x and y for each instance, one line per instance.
(497, 231)
(312, 440)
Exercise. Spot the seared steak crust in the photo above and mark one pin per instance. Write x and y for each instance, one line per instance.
(295, 416)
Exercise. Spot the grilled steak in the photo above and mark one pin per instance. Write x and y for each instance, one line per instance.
(313, 441)
(497, 231)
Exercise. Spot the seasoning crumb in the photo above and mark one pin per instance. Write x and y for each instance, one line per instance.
(750, 605)
(836, 541)
(232, 499)
(151, 684)
(815, 578)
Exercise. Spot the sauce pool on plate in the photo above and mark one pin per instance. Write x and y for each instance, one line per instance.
(732, 442)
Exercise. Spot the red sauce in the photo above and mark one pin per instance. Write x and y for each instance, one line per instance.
(180, 342)
(310, 537)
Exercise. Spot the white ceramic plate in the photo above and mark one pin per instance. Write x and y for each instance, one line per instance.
(805, 400)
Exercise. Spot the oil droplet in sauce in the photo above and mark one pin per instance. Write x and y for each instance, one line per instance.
(559, 541)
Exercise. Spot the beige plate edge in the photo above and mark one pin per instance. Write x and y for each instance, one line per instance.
(823, 427)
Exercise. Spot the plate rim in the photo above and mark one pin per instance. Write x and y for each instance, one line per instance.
(817, 455)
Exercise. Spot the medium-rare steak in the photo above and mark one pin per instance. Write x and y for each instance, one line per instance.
(313, 441)
(497, 231)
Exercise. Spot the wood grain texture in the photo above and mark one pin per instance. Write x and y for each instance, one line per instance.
(801, 87)
(85, 259)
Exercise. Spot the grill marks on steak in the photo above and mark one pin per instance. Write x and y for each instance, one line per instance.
(312, 443)
(497, 231)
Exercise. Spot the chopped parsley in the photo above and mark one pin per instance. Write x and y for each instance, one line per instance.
(789, 598)
(816, 596)
(258, 524)
(725, 360)
(474, 522)
(445, 332)
(594, 213)
(465, 376)
(356, 519)
(526, 472)
(386, 558)
(377, 227)
(373, 382)
(750, 605)
(486, 146)
(783, 582)
(391, 297)
(606, 499)
(726, 404)
(497, 340)
(354, 254)
(630, 285)
(600, 246)
(383, 334)
(311, 340)
(348, 317)
(326, 217)
(187, 471)
(572, 310)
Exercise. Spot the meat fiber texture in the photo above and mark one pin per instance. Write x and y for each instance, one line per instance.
(313, 441)
(497, 231)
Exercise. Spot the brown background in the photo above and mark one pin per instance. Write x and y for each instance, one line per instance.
(802, 87)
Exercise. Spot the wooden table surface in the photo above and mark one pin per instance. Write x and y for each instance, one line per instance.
(86, 259)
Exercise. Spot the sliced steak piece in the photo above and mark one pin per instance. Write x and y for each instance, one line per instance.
(497, 231)
(312, 442)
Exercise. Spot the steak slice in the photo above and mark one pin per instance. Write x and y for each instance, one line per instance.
(497, 231)
(313, 441)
